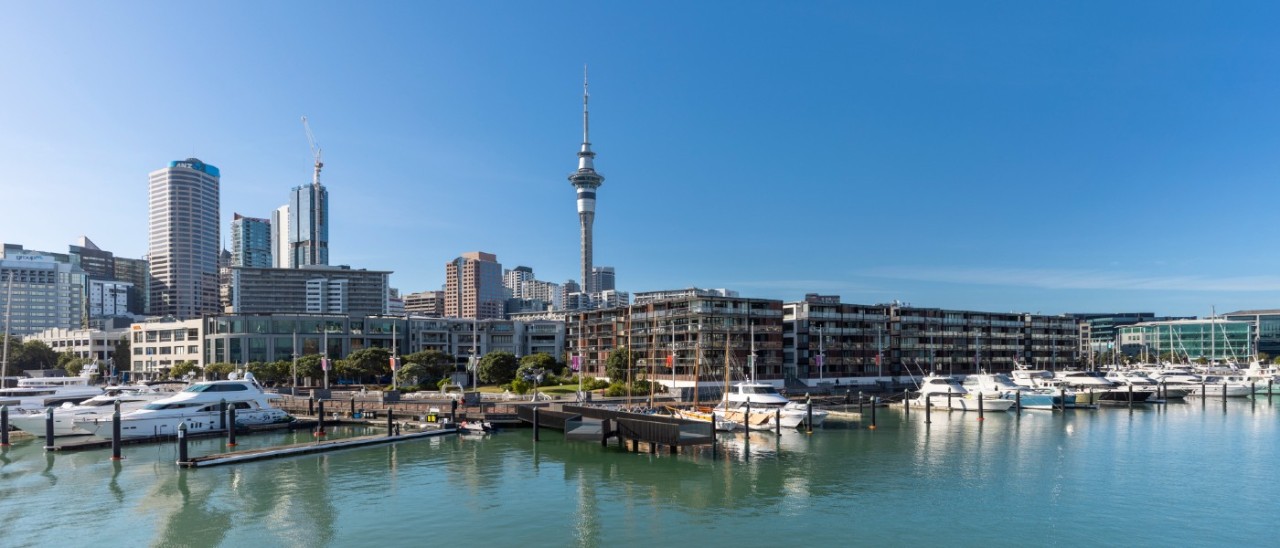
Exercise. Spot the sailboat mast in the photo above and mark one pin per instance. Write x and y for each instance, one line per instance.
(630, 357)
(697, 365)
(4, 358)
(653, 342)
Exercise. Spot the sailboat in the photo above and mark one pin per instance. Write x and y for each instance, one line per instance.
(698, 413)
(767, 408)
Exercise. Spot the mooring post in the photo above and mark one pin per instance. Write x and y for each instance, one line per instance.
(4, 426)
(1224, 395)
(182, 442)
(1204, 393)
(1017, 401)
(948, 398)
(906, 407)
(320, 419)
(390, 422)
(1092, 400)
(222, 413)
(311, 405)
(1131, 396)
(1269, 383)
(874, 400)
(808, 414)
(777, 421)
(115, 432)
(980, 408)
(48, 428)
(604, 432)
(231, 426)
(746, 416)
(453, 412)
(928, 404)
(535, 424)
(860, 401)
(353, 406)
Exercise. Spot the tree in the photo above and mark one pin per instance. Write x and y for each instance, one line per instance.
(498, 367)
(438, 364)
(182, 369)
(410, 374)
(217, 371)
(540, 360)
(309, 367)
(120, 357)
(35, 355)
(75, 365)
(366, 362)
(615, 366)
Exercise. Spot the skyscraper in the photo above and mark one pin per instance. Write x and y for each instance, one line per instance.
(281, 250)
(603, 278)
(473, 287)
(585, 180)
(250, 242)
(309, 225)
(183, 239)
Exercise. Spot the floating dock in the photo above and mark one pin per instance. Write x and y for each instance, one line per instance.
(250, 455)
(88, 443)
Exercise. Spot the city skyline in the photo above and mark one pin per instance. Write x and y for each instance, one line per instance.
(1042, 159)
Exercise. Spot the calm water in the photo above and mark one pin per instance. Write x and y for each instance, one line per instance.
(1182, 474)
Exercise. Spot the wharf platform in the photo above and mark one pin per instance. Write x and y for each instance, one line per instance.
(250, 455)
(90, 443)
(588, 423)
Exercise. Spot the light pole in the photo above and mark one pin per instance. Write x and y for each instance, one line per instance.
(821, 352)
(295, 358)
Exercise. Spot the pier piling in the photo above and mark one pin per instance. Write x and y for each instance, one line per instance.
(391, 422)
(535, 424)
(808, 409)
(320, 419)
(48, 428)
(231, 426)
(4, 426)
(182, 443)
(980, 408)
(1130, 396)
(874, 401)
(1269, 383)
(453, 411)
(928, 404)
(353, 406)
(948, 398)
(222, 413)
(777, 421)
(1017, 402)
(1204, 394)
(115, 432)
(906, 406)
(311, 406)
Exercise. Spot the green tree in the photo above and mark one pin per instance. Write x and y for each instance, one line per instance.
(439, 365)
(540, 360)
(218, 371)
(75, 365)
(615, 366)
(181, 369)
(35, 355)
(120, 357)
(369, 362)
(498, 367)
(413, 374)
(309, 367)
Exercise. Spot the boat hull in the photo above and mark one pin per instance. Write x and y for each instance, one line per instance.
(961, 403)
(197, 422)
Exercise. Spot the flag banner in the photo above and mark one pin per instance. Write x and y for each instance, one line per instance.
(819, 360)
(395, 362)
(671, 359)
(577, 363)
(324, 364)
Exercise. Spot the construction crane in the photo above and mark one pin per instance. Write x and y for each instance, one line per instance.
(315, 151)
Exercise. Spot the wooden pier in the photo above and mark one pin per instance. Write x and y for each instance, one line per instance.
(599, 424)
(89, 443)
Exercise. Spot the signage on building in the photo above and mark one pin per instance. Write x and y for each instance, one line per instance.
(27, 256)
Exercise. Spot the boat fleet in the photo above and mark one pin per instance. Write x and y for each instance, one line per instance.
(145, 411)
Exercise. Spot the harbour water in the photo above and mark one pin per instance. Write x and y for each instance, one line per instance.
(1185, 473)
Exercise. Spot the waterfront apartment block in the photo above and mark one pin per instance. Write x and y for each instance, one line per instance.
(47, 290)
(684, 338)
(473, 287)
(309, 290)
(967, 341)
(156, 346)
(1215, 340)
(825, 339)
(183, 239)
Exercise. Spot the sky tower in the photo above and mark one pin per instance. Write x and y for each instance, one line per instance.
(585, 180)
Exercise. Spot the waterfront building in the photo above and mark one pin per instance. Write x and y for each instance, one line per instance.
(645, 297)
(309, 224)
(395, 303)
(281, 247)
(107, 299)
(969, 341)
(310, 289)
(156, 346)
(473, 287)
(548, 292)
(94, 344)
(685, 337)
(48, 291)
(251, 242)
(1215, 340)
(104, 266)
(183, 239)
(424, 303)
(585, 181)
(1266, 328)
(825, 339)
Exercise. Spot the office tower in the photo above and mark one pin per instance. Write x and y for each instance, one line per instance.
(514, 279)
(309, 225)
(48, 291)
(183, 239)
(250, 242)
(281, 256)
(425, 303)
(585, 181)
(473, 287)
(138, 274)
(602, 278)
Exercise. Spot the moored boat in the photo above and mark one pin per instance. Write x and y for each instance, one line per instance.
(199, 408)
(947, 393)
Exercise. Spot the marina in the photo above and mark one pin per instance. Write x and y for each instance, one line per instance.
(1065, 473)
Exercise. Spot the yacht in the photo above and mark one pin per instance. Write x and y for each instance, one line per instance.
(1139, 380)
(98, 407)
(38, 393)
(1211, 386)
(947, 393)
(768, 407)
(1000, 386)
(198, 407)
(1102, 389)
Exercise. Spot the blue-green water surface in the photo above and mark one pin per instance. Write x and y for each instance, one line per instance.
(1185, 474)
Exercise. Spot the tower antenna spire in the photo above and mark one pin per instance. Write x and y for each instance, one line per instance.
(586, 126)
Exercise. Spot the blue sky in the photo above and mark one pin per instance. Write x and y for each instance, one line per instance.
(1084, 156)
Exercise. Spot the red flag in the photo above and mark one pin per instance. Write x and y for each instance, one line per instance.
(671, 359)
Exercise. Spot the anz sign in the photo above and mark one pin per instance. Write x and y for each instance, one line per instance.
(192, 163)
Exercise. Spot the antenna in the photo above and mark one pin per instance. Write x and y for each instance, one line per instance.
(315, 151)
(585, 97)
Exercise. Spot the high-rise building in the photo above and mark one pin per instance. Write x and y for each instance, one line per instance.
(585, 181)
(311, 289)
(514, 278)
(116, 285)
(250, 242)
(309, 225)
(183, 239)
(425, 303)
(48, 291)
(138, 273)
(473, 287)
(603, 278)
(281, 254)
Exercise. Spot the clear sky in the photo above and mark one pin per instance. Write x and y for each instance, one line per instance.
(1051, 157)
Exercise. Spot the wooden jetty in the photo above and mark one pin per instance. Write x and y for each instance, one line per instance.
(600, 424)
(264, 453)
(86, 444)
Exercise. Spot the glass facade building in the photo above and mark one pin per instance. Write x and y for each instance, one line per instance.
(1215, 340)
(309, 225)
(250, 242)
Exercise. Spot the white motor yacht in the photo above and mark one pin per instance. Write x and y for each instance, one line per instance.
(98, 407)
(947, 393)
(199, 408)
(768, 407)
(39, 393)
(1102, 389)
